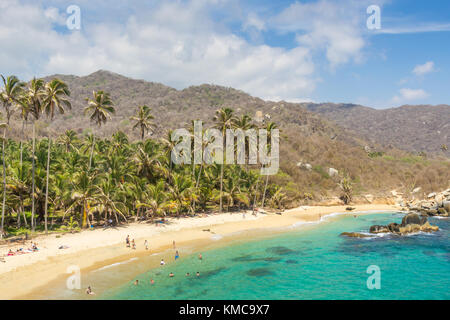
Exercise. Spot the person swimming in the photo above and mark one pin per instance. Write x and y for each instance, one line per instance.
(187, 274)
(171, 275)
(197, 274)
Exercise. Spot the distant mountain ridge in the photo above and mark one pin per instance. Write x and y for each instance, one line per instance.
(411, 128)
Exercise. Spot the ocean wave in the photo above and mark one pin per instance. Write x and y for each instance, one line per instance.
(115, 264)
(216, 237)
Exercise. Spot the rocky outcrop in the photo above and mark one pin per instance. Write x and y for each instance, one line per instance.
(411, 223)
(378, 229)
(436, 204)
(354, 235)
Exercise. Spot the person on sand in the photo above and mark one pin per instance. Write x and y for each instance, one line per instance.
(127, 241)
(89, 290)
(174, 244)
(162, 262)
(171, 275)
(136, 282)
(133, 244)
(146, 244)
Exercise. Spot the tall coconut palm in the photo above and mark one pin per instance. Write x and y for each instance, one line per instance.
(224, 121)
(269, 127)
(143, 119)
(54, 99)
(100, 109)
(3, 126)
(12, 91)
(33, 102)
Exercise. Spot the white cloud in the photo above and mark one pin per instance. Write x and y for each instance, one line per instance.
(333, 26)
(253, 21)
(433, 27)
(408, 95)
(425, 68)
(176, 43)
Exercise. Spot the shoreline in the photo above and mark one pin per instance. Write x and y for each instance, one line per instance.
(22, 275)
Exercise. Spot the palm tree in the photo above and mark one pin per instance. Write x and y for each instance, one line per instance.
(33, 101)
(69, 139)
(100, 108)
(54, 98)
(143, 119)
(224, 121)
(4, 126)
(269, 127)
(12, 90)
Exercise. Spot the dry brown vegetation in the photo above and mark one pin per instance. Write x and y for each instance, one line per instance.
(306, 136)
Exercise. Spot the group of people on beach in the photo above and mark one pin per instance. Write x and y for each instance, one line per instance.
(19, 251)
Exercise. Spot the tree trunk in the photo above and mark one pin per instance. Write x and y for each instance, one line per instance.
(46, 190)
(4, 185)
(264, 194)
(92, 152)
(33, 223)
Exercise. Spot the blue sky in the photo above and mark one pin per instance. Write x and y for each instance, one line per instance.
(319, 50)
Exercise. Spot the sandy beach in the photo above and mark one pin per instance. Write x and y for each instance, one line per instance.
(22, 274)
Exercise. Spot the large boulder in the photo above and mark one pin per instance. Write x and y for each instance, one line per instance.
(427, 227)
(413, 218)
(446, 205)
(393, 227)
(354, 235)
(378, 229)
(409, 228)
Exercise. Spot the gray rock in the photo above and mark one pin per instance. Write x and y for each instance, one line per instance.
(413, 218)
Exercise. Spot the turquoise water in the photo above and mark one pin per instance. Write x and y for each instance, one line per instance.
(313, 262)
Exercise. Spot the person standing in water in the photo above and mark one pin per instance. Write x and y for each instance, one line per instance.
(136, 282)
(162, 262)
(200, 256)
(177, 255)
(89, 290)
